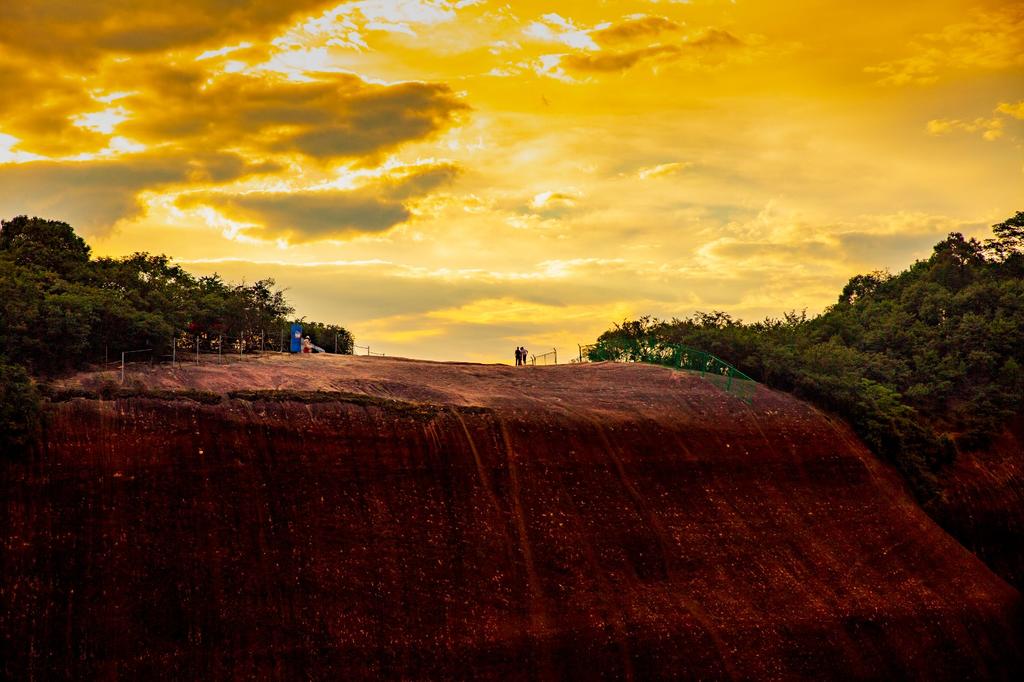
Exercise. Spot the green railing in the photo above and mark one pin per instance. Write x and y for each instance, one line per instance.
(710, 367)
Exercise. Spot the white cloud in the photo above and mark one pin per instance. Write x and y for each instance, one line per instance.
(1014, 110)
(991, 129)
(9, 155)
(663, 170)
(554, 28)
(101, 121)
(210, 54)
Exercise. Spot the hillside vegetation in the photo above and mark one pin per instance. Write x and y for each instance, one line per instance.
(920, 363)
(60, 309)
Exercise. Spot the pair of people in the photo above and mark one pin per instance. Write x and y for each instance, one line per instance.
(521, 355)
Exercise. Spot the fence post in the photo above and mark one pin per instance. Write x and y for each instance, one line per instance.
(556, 355)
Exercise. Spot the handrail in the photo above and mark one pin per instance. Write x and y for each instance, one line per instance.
(125, 354)
(677, 356)
(368, 352)
(584, 354)
(543, 357)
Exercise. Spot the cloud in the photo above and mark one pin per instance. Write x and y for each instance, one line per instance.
(76, 32)
(335, 115)
(415, 181)
(551, 204)
(312, 215)
(510, 309)
(99, 133)
(636, 28)
(351, 25)
(865, 247)
(776, 242)
(595, 170)
(338, 115)
(618, 61)
(396, 16)
(1013, 110)
(701, 48)
(663, 170)
(94, 195)
(554, 200)
(553, 28)
(371, 119)
(744, 251)
(714, 37)
(990, 128)
(304, 215)
(988, 41)
(41, 107)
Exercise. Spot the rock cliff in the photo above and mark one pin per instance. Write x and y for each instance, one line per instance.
(982, 503)
(342, 518)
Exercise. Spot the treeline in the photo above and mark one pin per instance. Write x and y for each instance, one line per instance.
(61, 309)
(920, 364)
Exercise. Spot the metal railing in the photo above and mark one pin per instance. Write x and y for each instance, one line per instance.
(187, 347)
(125, 354)
(549, 358)
(367, 348)
(584, 353)
(677, 356)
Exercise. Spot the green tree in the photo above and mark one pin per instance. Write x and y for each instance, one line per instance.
(1009, 237)
(47, 244)
(19, 409)
(919, 363)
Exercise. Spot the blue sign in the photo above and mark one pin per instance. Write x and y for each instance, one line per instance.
(296, 338)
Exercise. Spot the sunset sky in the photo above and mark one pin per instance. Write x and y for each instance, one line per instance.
(452, 179)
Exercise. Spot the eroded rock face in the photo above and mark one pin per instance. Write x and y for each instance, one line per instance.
(982, 503)
(609, 521)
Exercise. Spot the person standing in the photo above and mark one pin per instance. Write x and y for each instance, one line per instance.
(519, 356)
(525, 353)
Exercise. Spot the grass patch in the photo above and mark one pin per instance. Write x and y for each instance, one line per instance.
(315, 397)
(115, 392)
(405, 407)
(112, 391)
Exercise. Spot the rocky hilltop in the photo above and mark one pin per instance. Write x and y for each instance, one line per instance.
(341, 518)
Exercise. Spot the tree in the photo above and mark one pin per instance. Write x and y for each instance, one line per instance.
(916, 362)
(1009, 237)
(19, 409)
(47, 244)
(860, 286)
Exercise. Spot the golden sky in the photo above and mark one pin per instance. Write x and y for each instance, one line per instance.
(450, 179)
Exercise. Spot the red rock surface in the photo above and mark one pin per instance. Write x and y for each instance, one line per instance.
(982, 503)
(615, 521)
